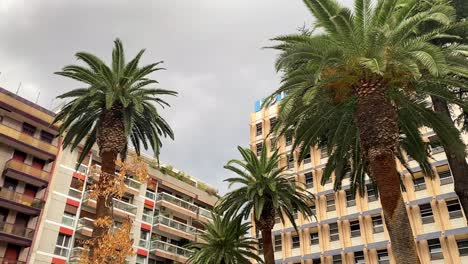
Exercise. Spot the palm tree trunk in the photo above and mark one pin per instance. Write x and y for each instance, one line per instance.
(268, 253)
(458, 166)
(376, 120)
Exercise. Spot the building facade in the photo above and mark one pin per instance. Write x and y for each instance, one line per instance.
(45, 209)
(351, 229)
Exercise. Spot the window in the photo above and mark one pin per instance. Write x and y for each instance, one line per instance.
(419, 184)
(273, 122)
(435, 249)
(309, 180)
(19, 155)
(38, 163)
(289, 138)
(436, 146)
(317, 261)
(258, 129)
(29, 129)
(295, 213)
(314, 238)
(290, 161)
(463, 247)
(445, 177)
(337, 259)
(359, 257)
(307, 158)
(324, 153)
(277, 219)
(377, 224)
(144, 234)
(273, 142)
(327, 181)
(382, 256)
(371, 195)
(355, 228)
(258, 148)
(313, 208)
(296, 243)
(63, 245)
(260, 246)
(140, 260)
(454, 209)
(334, 234)
(330, 202)
(278, 245)
(426, 213)
(47, 137)
(350, 199)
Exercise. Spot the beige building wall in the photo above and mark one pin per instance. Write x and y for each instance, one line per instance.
(351, 230)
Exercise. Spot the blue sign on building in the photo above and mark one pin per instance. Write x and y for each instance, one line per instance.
(258, 103)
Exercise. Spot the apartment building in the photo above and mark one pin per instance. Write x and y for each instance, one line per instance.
(45, 209)
(351, 230)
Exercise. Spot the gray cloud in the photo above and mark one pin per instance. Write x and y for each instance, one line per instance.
(212, 49)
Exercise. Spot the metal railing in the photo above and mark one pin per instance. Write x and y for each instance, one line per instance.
(175, 224)
(118, 204)
(20, 231)
(204, 212)
(75, 193)
(177, 201)
(75, 254)
(132, 183)
(147, 218)
(68, 220)
(169, 248)
(20, 198)
(150, 195)
(85, 222)
(144, 243)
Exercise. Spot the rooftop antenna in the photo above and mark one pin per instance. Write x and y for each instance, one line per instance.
(17, 90)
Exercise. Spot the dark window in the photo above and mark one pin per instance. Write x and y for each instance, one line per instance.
(334, 233)
(38, 163)
(314, 238)
(289, 138)
(258, 129)
(290, 161)
(317, 261)
(260, 246)
(19, 155)
(330, 202)
(454, 209)
(371, 195)
(426, 213)
(419, 184)
(9, 183)
(435, 144)
(47, 137)
(313, 209)
(355, 228)
(445, 177)
(62, 247)
(359, 257)
(307, 158)
(463, 247)
(324, 153)
(258, 148)
(382, 256)
(350, 199)
(29, 129)
(435, 249)
(337, 259)
(273, 142)
(377, 224)
(309, 180)
(273, 122)
(296, 243)
(278, 244)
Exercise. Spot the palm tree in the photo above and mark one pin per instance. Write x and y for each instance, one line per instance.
(374, 60)
(115, 105)
(265, 192)
(225, 243)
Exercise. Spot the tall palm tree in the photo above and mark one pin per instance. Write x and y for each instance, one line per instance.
(225, 242)
(264, 192)
(115, 105)
(374, 59)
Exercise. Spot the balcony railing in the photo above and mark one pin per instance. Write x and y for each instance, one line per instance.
(85, 222)
(28, 139)
(75, 193)
(20, 231)
(204, 212)
(144, 243)
(150, 195)
(11, 261)
(27, 169)
(132, 183)
(177, 201)
(75, 254)
(169, 248)
(176, 225)
(68, 220)
(82, 168)
(118, 204)
(20, 198)
(147, 218)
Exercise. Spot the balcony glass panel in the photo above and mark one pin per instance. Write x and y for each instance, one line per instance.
(20, 198)
(175, 224)
(82, 168)
(147, 218)
(132, 183)
(85, 223)
(177, 201)
(205, 212)
(75, 193)
(118, 204)
(143, 243)
(172, 249)
(150, 195)
(68, 220)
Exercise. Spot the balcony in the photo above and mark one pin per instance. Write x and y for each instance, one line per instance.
(27, 143)
(147, 218)
(20, 202)
(11, 261)
(144, 243)
(183, 207)
(205, 213)
(85, 226)
(76, 254)
(75, 193)
(23, 172)
(150, 195)
(133, 186)
(18, 235)
(169, 251)
(125, 208)
(174, 227)
(68, 220)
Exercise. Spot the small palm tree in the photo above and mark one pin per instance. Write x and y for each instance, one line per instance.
(378, 60)
(115, 105)
(226, 242)
(264, 192)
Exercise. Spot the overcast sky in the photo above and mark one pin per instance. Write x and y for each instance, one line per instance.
(211, 48)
